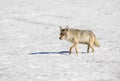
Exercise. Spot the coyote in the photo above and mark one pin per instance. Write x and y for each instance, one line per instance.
(77, 36)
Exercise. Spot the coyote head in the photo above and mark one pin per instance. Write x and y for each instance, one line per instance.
(63, 32)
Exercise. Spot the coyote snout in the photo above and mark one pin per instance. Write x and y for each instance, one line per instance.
(60, 38)
(77, 36)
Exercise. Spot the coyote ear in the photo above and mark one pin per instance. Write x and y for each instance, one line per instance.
(60, 27)
(67, 28)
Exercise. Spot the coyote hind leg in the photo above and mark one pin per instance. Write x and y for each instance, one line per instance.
(92, 49)
(91, 46)
(88, 48)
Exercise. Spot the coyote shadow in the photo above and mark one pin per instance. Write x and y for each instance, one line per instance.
(60, 52)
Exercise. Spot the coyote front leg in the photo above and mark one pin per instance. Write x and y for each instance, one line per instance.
(76, 50)
(74, 45)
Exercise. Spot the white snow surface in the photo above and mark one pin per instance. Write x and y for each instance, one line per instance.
(30, 49)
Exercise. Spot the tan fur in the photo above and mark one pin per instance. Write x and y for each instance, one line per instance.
(77, 36)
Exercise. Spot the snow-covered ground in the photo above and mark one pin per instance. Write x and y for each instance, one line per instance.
(31, 51)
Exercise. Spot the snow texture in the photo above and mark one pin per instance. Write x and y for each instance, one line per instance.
(30, 49)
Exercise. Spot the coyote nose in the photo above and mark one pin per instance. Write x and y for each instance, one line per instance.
(60, 38)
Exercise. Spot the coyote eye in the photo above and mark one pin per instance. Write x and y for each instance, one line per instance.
(63, 30)
(62, 34)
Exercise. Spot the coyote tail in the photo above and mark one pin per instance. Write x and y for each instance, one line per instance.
(96, 43)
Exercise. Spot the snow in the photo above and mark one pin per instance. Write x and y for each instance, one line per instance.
(30, 49)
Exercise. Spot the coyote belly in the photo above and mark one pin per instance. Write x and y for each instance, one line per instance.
(77, 36)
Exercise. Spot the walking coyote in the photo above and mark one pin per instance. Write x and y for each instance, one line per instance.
(77, 36)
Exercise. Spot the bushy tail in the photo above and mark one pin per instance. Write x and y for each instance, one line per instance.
(96, 43)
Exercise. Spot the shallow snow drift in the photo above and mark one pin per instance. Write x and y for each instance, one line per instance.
(30, 48)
